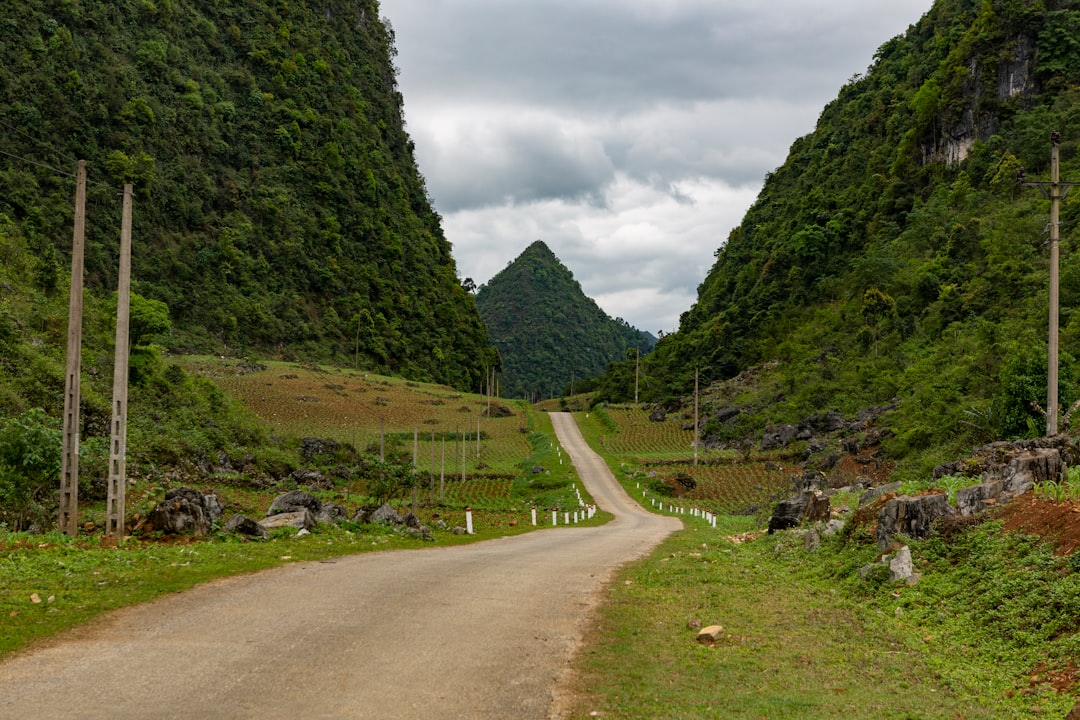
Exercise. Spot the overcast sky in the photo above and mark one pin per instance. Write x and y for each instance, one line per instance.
(629, 135)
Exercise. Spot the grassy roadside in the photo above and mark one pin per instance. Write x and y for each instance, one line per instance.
(50, 583)
(792, 648)
(989, 631)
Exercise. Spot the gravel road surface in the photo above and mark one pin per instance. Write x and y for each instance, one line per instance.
(479, 631)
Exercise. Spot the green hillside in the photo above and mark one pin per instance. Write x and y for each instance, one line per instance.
(279, 209)
(549, 334)
(895, 255)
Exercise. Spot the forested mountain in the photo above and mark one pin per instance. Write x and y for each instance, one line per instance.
(278, 210)
(895, 255)
(547, 331)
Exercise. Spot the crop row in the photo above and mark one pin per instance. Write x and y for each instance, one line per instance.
(638, 436)
(372, 412)
(480, 492)
(727, 489)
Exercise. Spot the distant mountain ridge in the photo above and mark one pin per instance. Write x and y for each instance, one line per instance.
(547, 331)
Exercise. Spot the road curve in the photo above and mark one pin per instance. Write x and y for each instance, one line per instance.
(479, 631)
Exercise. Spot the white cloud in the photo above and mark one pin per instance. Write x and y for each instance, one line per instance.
(629, 135)
(640, 254)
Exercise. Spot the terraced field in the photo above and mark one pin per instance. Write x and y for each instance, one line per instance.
(654, 454)
(640, 438)
(379, 414)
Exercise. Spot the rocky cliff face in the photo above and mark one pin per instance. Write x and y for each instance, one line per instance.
(984, 89)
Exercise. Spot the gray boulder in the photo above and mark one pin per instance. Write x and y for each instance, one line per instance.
(727, 414)
(418, 532)
(874, 493)
(1030, 467)
(312, 478)
(901, 568)
(185, 511)
(973, 500)
(812, 480)
(301, 520)
(385, 515)
(912, 517)
(310, 447)
(832, 527)
(331, 513)
(808, 505)
(243, 525)
(294, 501)
(779, 437)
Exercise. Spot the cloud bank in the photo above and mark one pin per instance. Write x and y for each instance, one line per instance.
(630, 136)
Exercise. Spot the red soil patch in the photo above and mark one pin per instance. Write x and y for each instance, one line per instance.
(851, 467)
(1056, 523)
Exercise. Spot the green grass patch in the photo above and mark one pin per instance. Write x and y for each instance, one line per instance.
(989, 631)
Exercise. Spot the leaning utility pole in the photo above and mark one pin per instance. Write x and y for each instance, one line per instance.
(1056, 191)
(69, 467)
(114, 516)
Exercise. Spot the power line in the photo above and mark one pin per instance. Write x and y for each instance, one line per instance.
(34, 140)
(38, 164)
(58, 171)
(51, 149)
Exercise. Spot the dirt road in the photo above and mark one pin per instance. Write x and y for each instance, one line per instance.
(479, 631)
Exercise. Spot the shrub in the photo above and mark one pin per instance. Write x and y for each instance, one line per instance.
(31, 446)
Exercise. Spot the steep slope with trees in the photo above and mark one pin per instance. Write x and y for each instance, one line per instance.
(895, 255)
(548, 333)
(279, 207)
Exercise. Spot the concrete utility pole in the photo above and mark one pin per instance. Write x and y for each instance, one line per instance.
(69, 464)
(695, 415)
(637, 371)
(1056, 191)
(114, 514)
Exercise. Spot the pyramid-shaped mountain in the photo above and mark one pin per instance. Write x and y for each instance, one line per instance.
(547, 330)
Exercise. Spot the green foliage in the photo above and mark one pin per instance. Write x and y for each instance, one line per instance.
(149, 320)
(1023, 385)
(278, 208)
(893, 256)
(30, 455)
(388, 481)
(1066, 489)
(551, 338)
(604, 418)
(949, 483)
